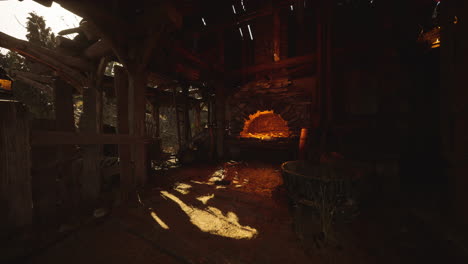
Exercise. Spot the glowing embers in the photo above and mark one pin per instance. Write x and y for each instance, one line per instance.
(265, 125)
(213, 221)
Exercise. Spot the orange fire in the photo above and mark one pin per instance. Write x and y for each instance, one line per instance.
(265, 125)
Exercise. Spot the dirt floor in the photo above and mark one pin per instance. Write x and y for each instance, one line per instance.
(239, 213)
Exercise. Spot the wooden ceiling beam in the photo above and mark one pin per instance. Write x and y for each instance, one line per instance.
(60, 63)
(243, 19)
(98, 49)
(30, 75)
(286, 63)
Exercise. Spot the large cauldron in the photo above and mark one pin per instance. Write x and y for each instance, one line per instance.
(336, 183)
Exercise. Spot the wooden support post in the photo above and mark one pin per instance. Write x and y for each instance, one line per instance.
(324, 66)
(179, 136)
(15, 169)
(127, 182)
(65, 122)
(220, 98)
(220, 118)
(198, 127)
(155, 148)
(210, 127)
(155, 114)
(91, 178)
(300, 13)
(186, 106)
(137, 87)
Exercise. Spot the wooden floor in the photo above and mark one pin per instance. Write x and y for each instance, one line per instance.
(239, 213)
(202, 220)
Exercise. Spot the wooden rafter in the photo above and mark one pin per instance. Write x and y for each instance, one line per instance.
(31, 76)
(67, 66)
(291, 62)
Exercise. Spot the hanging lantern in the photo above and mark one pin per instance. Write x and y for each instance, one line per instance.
(5, 81)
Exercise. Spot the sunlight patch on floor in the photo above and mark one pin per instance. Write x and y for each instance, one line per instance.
(199, 182)
(182, 188)
(204, 199)
(217, 175)
(213, 221)
(159, 221)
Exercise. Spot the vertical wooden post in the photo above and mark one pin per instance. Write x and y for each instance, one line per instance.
(187, 125)
(155, 150)
(198, 127)
(300, 13)
(137, 87)
(174, 98)
(91, 177)
(15, 168)
(210, 127)
(155, 115)
(220, 98)
(324, 12)
(65, 121)
(127, 183)
(220, 118)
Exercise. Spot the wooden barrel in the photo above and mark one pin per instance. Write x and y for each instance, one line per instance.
(334, 182)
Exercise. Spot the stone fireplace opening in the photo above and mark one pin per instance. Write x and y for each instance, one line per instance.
(265, 125)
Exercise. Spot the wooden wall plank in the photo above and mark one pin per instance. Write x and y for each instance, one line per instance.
(65, 121)
(15, 168)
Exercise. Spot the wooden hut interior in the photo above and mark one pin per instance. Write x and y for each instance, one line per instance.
(237, 131)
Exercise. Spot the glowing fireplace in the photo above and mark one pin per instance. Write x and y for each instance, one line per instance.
(265, 125)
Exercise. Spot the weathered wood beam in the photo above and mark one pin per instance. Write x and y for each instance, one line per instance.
(47, 3)
(179, 133)
(44, 138)
(220, 117)
(98, 49)
(60, 63)
(121, 90)
(166, 98)
(32, 76)
(137, 114)
(291, 62)
(102, 24)
(90, 31)
(186, 113)
(69, 44)
(70, 31)
(33, 83)
(149, 45)
(91, 122)
(22, 46)
(267, 10)
(156, 119)
(192, 57)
